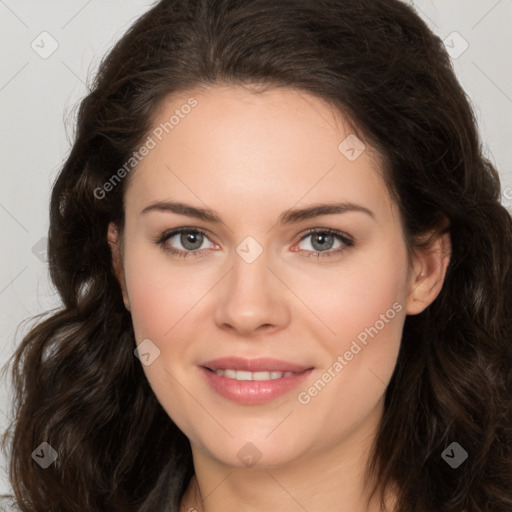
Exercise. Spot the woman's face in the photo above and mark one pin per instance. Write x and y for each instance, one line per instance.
(253, 174)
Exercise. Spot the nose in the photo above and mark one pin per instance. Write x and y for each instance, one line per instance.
(252, 299)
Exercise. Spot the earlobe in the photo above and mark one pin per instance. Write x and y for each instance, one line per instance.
(113, 239)
(428, 274)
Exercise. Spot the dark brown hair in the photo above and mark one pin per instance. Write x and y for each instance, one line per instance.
(79, 386)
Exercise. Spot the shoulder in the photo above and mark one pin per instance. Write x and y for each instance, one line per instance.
(8, 503)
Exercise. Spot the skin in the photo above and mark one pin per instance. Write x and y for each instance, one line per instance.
(250, 157)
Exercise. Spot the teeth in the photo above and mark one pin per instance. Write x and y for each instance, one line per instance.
(245, 375)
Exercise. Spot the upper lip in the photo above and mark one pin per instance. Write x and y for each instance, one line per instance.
(254, 365)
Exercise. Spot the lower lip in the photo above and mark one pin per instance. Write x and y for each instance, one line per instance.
(253, 392)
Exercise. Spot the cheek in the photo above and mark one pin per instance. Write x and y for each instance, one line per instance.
(358, 296)
(161, 294)
(351, 384)
(162, 300)
(152, 307)
(364, 307)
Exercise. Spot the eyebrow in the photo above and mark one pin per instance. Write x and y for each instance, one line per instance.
(288, 217)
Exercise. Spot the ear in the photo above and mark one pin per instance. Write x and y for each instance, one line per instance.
(114, 242)
(428, 273)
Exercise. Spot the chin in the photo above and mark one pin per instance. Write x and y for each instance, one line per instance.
(249, 452)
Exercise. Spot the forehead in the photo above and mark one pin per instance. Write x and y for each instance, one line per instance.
(266, 148)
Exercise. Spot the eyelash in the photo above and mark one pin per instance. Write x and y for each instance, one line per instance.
(344, 239)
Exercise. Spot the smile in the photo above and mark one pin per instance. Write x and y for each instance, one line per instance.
(245, 375)
(253, 386)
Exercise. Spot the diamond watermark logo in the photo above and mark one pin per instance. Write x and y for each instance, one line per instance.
(249, 249)
(44, 45)
(147, 352)
(454, 455)
(455, 45)
(352, 147)
(39, 250)
(249, 454)
(44, 455)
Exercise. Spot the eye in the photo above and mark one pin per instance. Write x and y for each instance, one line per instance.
(192, 240)
(323, 241)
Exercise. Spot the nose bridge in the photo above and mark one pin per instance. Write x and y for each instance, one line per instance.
(250, 275)
(250, 295)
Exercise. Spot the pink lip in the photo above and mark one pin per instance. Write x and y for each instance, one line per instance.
(251, 392)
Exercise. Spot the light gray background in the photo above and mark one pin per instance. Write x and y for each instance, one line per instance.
(38, 95)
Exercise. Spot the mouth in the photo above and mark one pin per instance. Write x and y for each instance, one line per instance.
(253, 381)
(246, 375)
(257, 365)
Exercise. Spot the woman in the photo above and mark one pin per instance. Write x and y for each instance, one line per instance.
(285, 274)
